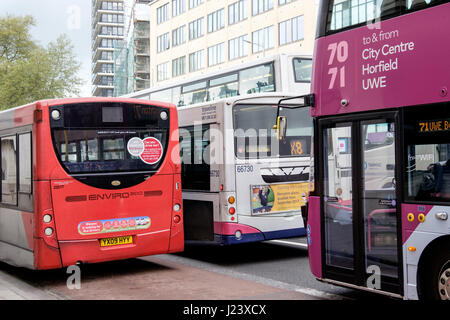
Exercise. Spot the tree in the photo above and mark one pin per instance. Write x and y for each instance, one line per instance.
(30, 72)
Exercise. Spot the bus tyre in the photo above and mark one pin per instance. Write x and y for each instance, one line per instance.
(437, 282)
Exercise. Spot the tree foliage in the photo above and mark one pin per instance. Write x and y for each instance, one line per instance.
(29, 71)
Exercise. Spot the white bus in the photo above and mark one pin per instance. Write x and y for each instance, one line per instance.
(276, 73)
(240, 183)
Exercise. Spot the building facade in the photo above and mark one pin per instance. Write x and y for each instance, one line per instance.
(193, 37)
(108, 26)
(132, 55)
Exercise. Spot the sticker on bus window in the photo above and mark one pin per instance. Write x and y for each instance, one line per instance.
(135, 146)
(153, 151)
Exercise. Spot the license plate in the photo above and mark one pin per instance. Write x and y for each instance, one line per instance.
(116, 241)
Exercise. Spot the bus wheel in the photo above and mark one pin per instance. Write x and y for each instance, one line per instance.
(444, 281)
(436, 284)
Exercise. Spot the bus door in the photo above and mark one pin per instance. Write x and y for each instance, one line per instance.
(360, 212)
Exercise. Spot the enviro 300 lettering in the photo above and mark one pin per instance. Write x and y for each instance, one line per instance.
(108, 196)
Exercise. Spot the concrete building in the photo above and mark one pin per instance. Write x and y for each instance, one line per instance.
(193, 37)
(107, 18)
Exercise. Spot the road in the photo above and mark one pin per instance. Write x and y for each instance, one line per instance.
(271, 270)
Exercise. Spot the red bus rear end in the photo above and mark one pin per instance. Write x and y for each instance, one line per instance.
(107, 181)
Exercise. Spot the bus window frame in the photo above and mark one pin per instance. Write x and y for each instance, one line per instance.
(28, 205)
(248, 157)
(293, 69)
(208, 80)
(325, 16)
(407, 139)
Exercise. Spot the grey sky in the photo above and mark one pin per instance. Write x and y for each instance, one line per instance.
(55, 17)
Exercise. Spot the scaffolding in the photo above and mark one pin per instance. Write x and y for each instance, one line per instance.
(132, 57)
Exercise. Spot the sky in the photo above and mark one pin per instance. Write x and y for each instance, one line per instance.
(55, 17)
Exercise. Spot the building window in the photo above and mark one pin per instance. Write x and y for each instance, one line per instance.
(291, 30)
(281, 2)
(163, 71)
(196, 60)
(216, 20)
(111, 18)
(107, 80)
(178, 7)
(162, 13)
(196, 29)
(107, 43)
(163, 42)
(238, 47)
(106, 56)
(237, 12)
(178, 66)
(112, 6)
(260, 6)
(179, 36)
(195, 3)
(216, 54)
(263, 39)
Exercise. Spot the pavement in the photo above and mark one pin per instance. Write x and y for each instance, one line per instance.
(150, 278)
(12, 288)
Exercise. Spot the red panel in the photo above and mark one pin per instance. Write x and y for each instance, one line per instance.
(46, 257)
(90, 251)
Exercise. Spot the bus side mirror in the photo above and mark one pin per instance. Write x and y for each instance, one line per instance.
(281, 127)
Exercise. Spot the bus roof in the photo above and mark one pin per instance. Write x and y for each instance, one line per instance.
(219, 72)
(61, 101)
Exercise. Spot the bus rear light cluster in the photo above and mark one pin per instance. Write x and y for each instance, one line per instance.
(48, 231)
(232, 210)
(177, 219)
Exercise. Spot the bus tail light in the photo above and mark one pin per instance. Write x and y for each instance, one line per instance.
(48, 232)
(232, 210)
(231, 200)
(177, 219)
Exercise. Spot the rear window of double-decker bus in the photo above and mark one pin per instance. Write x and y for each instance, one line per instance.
(104, 139)
(255, 137)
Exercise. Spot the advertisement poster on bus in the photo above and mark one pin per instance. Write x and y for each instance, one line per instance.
(272, 198)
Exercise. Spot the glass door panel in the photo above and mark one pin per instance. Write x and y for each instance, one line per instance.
(338, 207)
(378, 197)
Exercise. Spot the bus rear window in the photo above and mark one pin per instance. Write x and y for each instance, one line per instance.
(108, 137)
(101, 151)
(255, 138)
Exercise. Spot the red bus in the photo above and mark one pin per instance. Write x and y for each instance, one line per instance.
(377, 219)
(89, 180)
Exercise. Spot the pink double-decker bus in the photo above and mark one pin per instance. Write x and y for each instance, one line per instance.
(377, 217)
